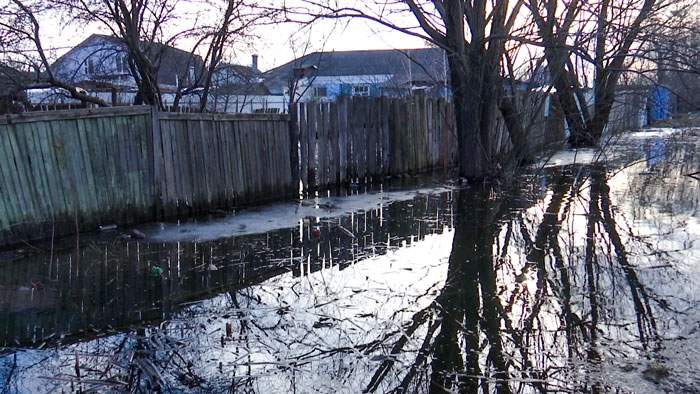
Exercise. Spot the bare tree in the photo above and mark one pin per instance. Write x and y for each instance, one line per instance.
(20, 36)
(593, 39)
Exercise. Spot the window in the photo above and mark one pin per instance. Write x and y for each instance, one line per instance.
(360, 90)
(320, 91)
(89, 66)
(190, 74)
(122, 63)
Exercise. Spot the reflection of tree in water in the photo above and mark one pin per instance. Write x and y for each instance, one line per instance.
(533, 309)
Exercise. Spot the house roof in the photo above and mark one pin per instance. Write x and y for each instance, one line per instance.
(245, 73)
(249, 89)
(423, 64)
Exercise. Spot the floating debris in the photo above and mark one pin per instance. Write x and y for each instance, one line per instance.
(346, 231)
(655, 372)
(155, 271)
(134, 233)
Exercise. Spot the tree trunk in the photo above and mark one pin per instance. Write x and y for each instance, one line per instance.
(466, 108)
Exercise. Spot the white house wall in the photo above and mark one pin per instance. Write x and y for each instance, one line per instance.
(248, 103)
(73, 66)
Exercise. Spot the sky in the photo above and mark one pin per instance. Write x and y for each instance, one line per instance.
(274, 45)
(277, 49)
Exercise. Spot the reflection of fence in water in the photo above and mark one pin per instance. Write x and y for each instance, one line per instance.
(113, 285)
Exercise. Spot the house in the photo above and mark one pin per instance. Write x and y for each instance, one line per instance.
(237, 88)
(104, 59)
(100, 66)
(372, 73)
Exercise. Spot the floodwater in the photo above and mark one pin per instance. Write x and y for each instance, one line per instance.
(580, 279)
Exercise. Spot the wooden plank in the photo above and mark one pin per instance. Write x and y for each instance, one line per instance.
(96, 136)
(48, 148)
(304, 145)
(13, 204)
(32, 182)
(201, 154)
(333, 152)
(111, 186)
(6, 214)
(323, 136)
(96, 210)
(183, 168)
(223, 164)
(372, 139)
(429, 133)
(399, 131)
(63, 171)
(79, 173)
(239, 169)
(209, 160)
(87, 113)
(192, 150)
(412, 135)
(342, 139)
(224, 117)
(385, 143)
(361, 151)
(232, 157)
(352, 138)
(427, 110)
(122, 143)
(170, 193)
(276, 140)
(223, 134)
(156, 163)
(116, 152)
(141, 157)
(258, 157)
(133, 174)
(245, 148)
(269, 167)
(313, 114)
(32, 213)
(273, 162)
(289, 178)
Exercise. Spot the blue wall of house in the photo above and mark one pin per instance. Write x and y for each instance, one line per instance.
(333, 90)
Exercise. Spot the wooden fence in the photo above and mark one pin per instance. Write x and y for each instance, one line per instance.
(363, 139)
(68, 171)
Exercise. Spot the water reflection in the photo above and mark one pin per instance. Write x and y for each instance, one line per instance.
(111, 285)
(580, 281)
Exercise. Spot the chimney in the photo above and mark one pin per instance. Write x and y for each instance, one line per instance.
(255, 64)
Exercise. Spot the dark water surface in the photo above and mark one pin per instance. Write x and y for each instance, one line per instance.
(581, 280)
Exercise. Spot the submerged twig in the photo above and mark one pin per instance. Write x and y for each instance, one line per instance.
(695, 175)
